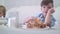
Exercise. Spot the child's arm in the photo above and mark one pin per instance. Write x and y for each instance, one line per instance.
(48, 16)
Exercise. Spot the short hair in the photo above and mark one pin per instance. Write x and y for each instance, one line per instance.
(46, 2)
(4, 10)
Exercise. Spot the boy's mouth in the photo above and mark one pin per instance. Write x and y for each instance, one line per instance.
(45, 12)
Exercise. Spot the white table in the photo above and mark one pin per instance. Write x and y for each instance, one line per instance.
(5, 30)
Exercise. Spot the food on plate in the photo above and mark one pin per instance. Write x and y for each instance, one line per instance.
(35, 23)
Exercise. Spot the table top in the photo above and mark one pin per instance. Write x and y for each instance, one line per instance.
(6, 30)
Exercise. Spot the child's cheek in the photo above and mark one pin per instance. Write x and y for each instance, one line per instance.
(45, 10)
(1, 14)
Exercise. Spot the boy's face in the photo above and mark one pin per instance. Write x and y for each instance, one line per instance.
(1, 12)
(45, 8)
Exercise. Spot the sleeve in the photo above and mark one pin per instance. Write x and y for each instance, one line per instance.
(53, 20)
(41, 17)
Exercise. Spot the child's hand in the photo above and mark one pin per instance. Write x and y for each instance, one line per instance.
(51, 10)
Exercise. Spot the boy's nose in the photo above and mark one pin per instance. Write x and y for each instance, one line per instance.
(0, 12)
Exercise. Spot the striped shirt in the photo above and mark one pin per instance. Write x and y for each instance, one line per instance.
(43, 19)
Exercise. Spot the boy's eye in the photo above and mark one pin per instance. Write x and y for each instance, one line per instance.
(49, 7)
(43, 7)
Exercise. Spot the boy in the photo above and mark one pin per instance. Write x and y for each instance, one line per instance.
(3, 19)
(47, 9)
(2, 11)
(46, 16)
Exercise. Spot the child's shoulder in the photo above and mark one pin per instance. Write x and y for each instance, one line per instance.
(40, 14)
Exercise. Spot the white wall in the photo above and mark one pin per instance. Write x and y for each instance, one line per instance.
(56, 3)
(16, 3)
(57, 14)
(1, 2)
